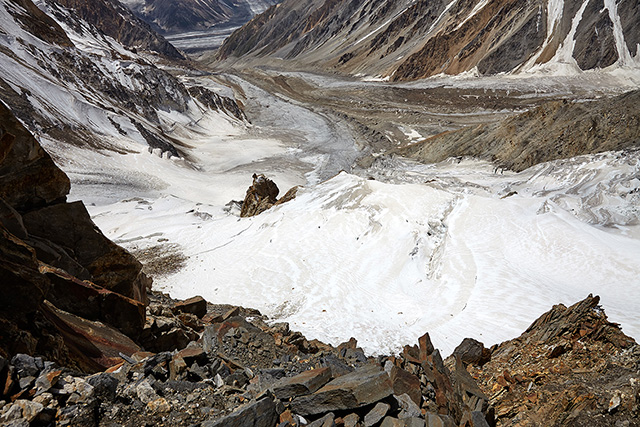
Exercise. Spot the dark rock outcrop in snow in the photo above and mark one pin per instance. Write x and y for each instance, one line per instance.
(262, 195)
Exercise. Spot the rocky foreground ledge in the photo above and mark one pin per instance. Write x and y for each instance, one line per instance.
(220, 365)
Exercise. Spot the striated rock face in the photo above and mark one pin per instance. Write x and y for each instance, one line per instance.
(406, 40)
(69, 226)
(61, 272)
(560, 129)
(571, 367)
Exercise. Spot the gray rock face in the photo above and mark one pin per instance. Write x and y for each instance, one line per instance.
(257, 414)
(366, 385)
(301, 384)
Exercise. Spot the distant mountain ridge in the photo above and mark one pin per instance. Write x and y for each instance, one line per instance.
(178, 16)
(407, 40)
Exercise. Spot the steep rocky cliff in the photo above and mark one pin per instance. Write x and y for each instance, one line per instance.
(58, 272)
(404, 40)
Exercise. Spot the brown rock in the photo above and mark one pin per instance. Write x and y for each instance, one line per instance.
(472, 351)
(70, 226)
(288, 196)
(93, 302)
(194, 305)
(93, 345)
(192, 354)
(260, 196)
(404, 382)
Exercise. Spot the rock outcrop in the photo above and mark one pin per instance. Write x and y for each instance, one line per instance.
(62, 274)
(239, 370)
(262, 195)
(572, 366)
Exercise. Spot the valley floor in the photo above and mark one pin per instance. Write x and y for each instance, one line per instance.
(383, 250)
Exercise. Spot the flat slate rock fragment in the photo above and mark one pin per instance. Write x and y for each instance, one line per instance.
(364, 386)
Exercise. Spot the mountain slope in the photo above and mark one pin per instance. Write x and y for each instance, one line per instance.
(406, 40)
(114, 20)
(75, 84)
(554, 130)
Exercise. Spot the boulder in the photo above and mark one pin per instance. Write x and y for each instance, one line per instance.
(194, 305)
(261, 413)
(364, 386)
(404, 382)
(260, 196)
(472, 351)
(301, 384)
(376, 414)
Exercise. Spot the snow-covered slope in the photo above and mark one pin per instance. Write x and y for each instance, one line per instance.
(412, 39)
(453, 249)
(456, 249)
(74, 84)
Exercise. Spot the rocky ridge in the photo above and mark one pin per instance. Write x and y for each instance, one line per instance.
(554, 130)
(570, 367)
